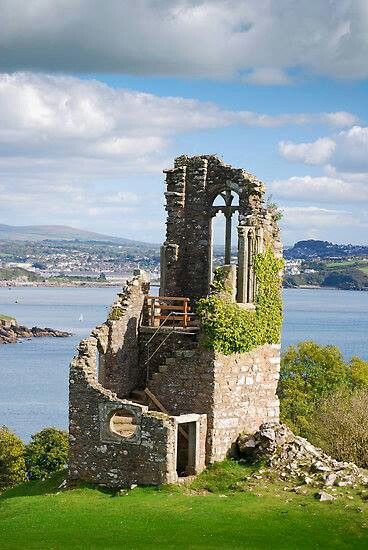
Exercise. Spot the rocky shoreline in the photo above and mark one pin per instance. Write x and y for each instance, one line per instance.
(11, 332)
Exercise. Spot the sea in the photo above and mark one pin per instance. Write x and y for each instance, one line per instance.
(34, 373)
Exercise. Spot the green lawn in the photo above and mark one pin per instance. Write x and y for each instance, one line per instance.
(260, 515)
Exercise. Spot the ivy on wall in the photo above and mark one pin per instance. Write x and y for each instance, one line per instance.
(229, 328)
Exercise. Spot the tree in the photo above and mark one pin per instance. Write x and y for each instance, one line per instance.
(340, 426)
(12, 465)
(47, 453)
(359, 372)
(309, 372)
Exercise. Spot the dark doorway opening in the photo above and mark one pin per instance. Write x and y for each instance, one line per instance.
(186, 449)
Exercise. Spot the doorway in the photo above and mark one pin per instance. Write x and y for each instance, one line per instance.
(186, 449)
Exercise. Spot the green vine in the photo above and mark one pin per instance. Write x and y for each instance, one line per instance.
(229, 328)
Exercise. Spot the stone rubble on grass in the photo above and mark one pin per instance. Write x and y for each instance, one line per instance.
(295, 459)
(323, 496)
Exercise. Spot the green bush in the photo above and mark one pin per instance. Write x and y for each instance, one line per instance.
(229, 328)
(311, 373)
(116, 313)
(47, 453)
(339, 426)
(12, 465)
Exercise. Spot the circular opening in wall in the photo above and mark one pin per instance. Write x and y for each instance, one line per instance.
(123, 423)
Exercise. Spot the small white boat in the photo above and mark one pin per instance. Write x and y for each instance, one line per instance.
(81, 318)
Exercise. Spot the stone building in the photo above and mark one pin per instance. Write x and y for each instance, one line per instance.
(149, 401)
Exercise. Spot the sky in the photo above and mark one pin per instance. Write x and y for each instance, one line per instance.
(98, 97)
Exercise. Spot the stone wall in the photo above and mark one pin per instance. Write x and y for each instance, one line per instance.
(117, 339)
(237, 392)
(245, 397)
(192, 186)
(156, 347)
(98, 455)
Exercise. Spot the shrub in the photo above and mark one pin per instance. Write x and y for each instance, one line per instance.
(12, 465)
(47, 453)
(340, 426)
(310, 373)
(229, 328)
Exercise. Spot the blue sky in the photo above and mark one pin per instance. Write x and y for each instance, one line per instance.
(95, 100)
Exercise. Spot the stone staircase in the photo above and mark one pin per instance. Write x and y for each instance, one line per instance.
(140, 396)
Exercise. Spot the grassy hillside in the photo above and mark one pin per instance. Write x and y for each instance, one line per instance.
(56, 233)
(5, 317)
(13, 273)
(221, 509)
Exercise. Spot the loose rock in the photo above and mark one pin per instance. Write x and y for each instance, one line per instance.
(296, 459)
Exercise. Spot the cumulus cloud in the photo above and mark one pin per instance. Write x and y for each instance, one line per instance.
(316, 152)
(352, 150)
(346, 151)
(72, 150)
(59, 115)
(207, 38)
(313, 222)
(324, 189)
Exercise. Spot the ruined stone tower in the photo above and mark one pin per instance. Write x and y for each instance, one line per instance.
(152, 398)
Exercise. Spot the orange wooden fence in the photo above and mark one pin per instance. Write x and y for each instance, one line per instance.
(170, 310)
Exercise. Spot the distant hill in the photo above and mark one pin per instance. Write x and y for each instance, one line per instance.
(37, 233)
(312, 249)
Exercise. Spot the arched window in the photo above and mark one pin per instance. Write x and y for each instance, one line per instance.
(226, 202)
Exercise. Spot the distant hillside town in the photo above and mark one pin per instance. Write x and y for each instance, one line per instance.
(60, 255)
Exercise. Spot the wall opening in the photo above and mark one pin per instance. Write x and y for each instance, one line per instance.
(186, 449)
(123, 423)
(223, 234)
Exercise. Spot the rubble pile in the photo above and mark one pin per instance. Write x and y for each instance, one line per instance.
(293, 458)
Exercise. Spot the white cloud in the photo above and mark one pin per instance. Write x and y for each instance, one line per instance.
(215, 38)
(265, 76)
(316, 152)
(80, 152)
(352, 150)
(321, 189)
(312, 222)
(340, 119)
(346, 151)
(59, 115)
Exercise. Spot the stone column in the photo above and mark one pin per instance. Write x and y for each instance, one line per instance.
(242, 284)
(250, 271)
(228, 238)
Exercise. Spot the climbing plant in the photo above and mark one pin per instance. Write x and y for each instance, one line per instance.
(229, 328)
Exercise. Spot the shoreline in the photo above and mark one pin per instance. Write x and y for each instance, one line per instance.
(121, 282)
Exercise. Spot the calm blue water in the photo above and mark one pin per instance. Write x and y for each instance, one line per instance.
(34, 373)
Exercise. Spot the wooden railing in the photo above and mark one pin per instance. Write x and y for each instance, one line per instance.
(170, 310)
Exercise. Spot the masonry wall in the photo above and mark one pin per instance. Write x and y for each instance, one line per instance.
(156, 347)
(237, 392)
(244, 395)
(97, 455)
(117, 340)
(192, 186)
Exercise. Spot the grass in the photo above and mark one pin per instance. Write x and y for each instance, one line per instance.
(221, 509)
(5, 317)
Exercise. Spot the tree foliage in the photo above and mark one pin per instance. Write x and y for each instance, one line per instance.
(309, 374)
(340, 426)
(12, 465)
(47, 453)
